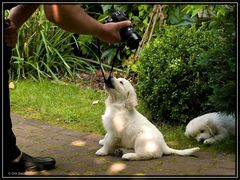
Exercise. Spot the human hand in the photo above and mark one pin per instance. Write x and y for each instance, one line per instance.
(10, 34)
(110, 32)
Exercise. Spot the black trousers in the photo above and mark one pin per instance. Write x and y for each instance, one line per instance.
(10, 149)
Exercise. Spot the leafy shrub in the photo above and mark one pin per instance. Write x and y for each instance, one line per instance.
(222, 78)
(177, 73)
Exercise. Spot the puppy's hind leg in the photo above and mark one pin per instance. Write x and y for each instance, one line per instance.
(144, 149)
(135, 156)
(131, 156)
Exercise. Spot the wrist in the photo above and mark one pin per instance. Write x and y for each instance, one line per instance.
(99, 31)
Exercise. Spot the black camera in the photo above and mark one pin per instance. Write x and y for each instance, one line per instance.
(128, 34)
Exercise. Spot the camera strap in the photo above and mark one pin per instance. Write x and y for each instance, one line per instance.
(120, 46)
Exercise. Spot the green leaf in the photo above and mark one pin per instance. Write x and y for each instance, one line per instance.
(106, 8)
(195, 12)
(220, 12)
(121, 7)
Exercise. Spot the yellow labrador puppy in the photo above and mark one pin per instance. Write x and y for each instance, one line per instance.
(211, 128)
(127, 128)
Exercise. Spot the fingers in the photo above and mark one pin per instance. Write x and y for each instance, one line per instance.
(116, 38)
(122, 24)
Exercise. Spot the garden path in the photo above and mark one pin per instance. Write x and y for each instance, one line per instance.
(74, 152)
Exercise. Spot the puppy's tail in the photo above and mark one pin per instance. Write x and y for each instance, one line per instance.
(184, 152)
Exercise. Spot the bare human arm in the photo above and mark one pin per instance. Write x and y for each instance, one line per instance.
(73, 18)
(20, 14)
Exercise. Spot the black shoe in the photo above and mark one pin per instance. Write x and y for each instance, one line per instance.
(29, 163)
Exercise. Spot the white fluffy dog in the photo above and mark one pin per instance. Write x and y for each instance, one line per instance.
(127, 128)
(211, 127)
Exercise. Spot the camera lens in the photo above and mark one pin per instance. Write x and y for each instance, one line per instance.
(131, 37)
(133, 41)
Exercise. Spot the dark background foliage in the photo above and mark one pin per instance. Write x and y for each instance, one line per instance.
(186, 68)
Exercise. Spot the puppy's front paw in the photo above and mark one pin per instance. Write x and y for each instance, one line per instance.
(101, 142)
(208, 141)
(101, 152)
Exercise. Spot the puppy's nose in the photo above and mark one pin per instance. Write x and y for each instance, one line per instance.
(108, 82)
(201, 140)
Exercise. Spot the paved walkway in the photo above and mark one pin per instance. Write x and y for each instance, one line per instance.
(74, 152)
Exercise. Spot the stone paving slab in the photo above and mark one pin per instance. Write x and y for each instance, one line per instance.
(74, 152)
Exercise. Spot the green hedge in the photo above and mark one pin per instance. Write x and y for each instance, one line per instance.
(177, 72)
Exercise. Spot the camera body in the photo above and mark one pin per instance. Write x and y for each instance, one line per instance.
(128, 34)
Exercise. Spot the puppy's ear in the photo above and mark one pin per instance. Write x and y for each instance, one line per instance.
(211, 127)
(131, 101)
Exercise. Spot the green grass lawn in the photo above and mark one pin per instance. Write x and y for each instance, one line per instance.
(71, 105)
(66, 104)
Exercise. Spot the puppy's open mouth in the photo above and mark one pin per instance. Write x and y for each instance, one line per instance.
(108, 82)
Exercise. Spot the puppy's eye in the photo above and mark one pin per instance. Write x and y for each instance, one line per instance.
(201, 131)
(121, 82)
